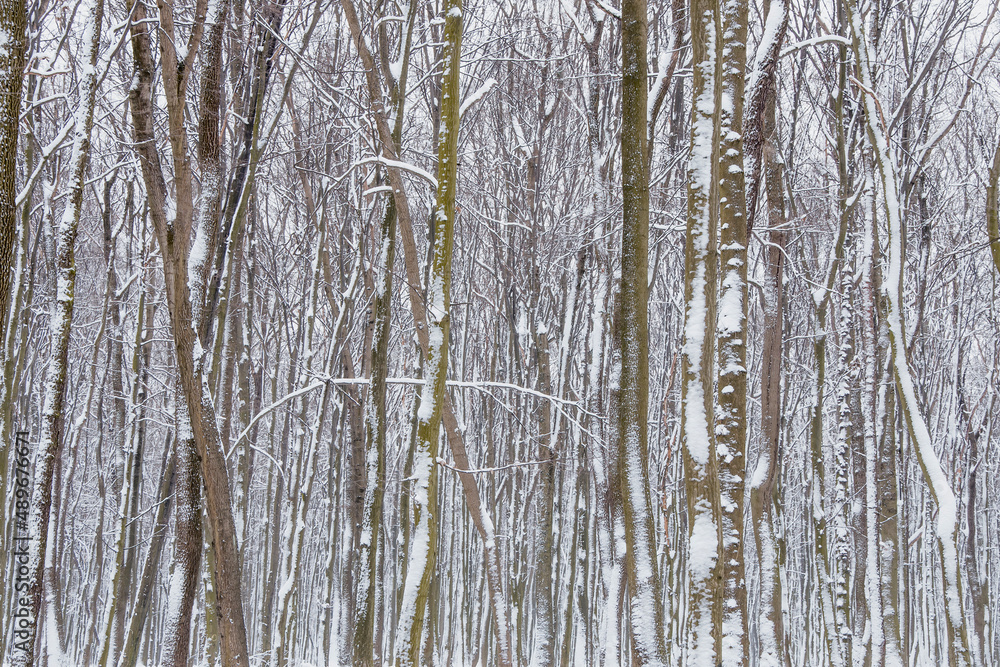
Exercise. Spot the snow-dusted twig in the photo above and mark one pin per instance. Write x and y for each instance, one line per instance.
(484, 471)
(392, 164)
(480, 93)
(814, 41)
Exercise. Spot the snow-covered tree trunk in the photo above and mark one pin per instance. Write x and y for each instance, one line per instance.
(424, 478)
(703, 643)
(731, 329)
(187, 556)
(765, 496)
(543, 654)
(573, 493)
(118, 597)
(981, 648)
(483, 522)
(607, 532)
(839, 574)
(119, 427)
(367, 584)
(210, 163)
(630, 400)
(276, 492)
(873, 574)
(129, 656)
(304, 463)
(172, 220)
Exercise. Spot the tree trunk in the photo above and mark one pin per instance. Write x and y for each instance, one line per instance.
(701, 466)
(630, 403)
(765, 494)
(731, 383)
(992, 209)
(483, 523)
(423, 494)
(172, 233)
(187, 546)
(13, 22)
(144, 594)
(873, 571)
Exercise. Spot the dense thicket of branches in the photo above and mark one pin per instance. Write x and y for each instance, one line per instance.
(557, 333)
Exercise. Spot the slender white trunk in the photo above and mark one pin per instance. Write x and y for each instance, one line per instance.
(873, 577)
(934, 475)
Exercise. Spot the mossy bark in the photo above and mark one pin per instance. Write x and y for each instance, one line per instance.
(424, 491)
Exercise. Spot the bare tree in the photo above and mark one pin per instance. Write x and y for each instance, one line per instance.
(50, 448)
(172, 222)
(631, 400)
(701, 463)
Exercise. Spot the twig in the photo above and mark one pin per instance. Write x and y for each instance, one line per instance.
(483, 471)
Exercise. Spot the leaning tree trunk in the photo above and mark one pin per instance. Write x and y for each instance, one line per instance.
(173, 228)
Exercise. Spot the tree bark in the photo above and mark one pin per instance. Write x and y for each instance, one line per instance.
(765, 495)
(144, 594)
(703, 636)
(630, 402)
(958, 650)
(13, 23)
(187, 546)
(731, 327)
(993, 210)
(483, 523)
